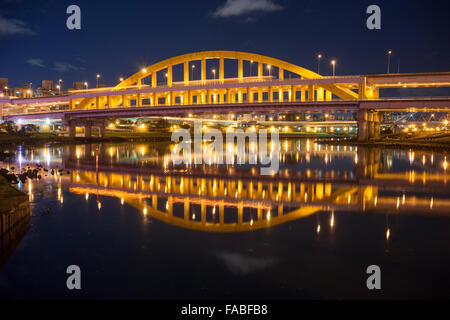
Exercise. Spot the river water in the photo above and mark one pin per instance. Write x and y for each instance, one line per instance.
(139, 227)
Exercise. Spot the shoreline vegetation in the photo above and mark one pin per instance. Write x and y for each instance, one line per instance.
(436, 141)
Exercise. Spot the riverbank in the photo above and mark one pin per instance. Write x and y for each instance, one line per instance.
(14, 205)
(40, 138)
(435, 142)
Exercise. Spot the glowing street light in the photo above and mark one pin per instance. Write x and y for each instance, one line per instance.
(269, 67)
(97, 77)
(59, 88)
(192, 73)
(121, 79)
(214, 72)
(85, 84)
(251, 67)
(319, 57)
(389, 61)
(333, 63)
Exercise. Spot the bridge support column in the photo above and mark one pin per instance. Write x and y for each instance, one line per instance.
(320, 94)
(72, 104)
(208, 96)
(97, 103)
(270, 94)
(311, 93)
(260, 95)
(293, 94)
(154, 80)
(87, 131)
(72, 131)
(203, 70)
(139, 100)
(280, 95)
(374, 125)
(101, 131)
(302, 94)
(362, 118)
(221, 70)
(109, 98)
(186, 73)
(240, 70)
(329, 95)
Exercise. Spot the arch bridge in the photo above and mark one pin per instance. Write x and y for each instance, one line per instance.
(275, 86)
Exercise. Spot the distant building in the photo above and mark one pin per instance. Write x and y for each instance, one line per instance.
(46, 89)
(78, 85)
(4, 87)
(3, 83)
(47, 85)
(23, 91)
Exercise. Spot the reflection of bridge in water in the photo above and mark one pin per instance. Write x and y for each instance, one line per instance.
(217, 201)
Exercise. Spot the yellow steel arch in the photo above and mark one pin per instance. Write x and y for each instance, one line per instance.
(236, 55)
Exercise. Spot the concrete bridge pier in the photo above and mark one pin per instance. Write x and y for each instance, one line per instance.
(363, 129)
(101, 131)
(72, 131)
(87, 131)
(368, 125)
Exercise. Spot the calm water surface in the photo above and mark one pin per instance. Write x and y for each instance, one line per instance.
(140, 228)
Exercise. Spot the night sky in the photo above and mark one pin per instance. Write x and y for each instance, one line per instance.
(119, 37)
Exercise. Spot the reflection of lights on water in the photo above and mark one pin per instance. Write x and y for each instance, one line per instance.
(145, 211)
(403, 199)
(332, 220)
(318, 228)
(388, 234)
(411, 157)
(398, 202)
(375, 201)
(268, 215)
(445, 163)
(87, 196)
(99, 205)
(122, 201)
(431, 203)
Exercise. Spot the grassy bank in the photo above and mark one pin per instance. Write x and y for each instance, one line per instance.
(39, 138)
(431, 142)
(10, 197)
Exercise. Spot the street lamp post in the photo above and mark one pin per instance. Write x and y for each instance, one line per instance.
(333, 63)
(97, 77)
(192, 73)
(389, 61)
(319, 57)
(144, 71)
(251, 68)
(270, 70)
(214, 73)
(59, 89)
